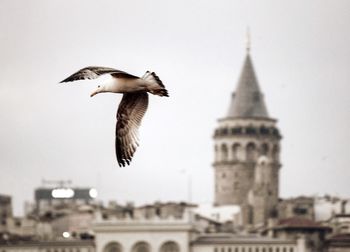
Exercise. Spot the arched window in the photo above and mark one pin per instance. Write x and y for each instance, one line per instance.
(224, 152)
(275, 153)
(264, 130)
(216, 151)
(236, 131)
(170, 246)
(236, 149)
(250, 130)
(265, 149)
(141, 247)
(113, 247)
(250, 215)
(250, 151)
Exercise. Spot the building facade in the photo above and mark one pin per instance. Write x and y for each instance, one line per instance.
(180, 235)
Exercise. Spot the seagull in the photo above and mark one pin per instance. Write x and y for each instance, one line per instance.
(132, 107)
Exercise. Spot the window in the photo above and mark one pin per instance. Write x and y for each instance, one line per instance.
(250, 131)
(300, 210)
(250, 151)
(113, 247)
(265, 149)
(275, 151)
(275, 132)
(224, 131)
(141, 247)
(224, 152)
(170, 247)
(236, 148)
(236, 131)
(264, 130)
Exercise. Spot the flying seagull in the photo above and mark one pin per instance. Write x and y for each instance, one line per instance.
(132, 107)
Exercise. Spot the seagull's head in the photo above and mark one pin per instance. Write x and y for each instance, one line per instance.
(99, 89)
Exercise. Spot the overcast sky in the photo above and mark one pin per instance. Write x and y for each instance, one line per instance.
(300, 51)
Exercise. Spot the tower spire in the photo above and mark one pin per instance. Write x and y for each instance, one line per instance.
(248, 41)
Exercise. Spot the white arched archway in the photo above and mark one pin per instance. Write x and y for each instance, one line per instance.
(141, 246)
(113, 247)
(169, 246)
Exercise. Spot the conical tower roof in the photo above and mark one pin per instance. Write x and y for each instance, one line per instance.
(247, 101)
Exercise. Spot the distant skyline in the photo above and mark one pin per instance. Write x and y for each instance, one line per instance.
(301, 55)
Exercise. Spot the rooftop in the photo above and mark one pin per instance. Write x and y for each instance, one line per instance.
(247, 101)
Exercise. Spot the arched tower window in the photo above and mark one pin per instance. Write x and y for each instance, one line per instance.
(275, 153)
(113, 247)
(216, 153)
(141, 247)
(265, 149)
(236, 149)
(170, 246)
(224, 152)
(250, 152)
(264, 130)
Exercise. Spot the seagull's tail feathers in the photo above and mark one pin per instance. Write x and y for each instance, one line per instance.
(157, 87)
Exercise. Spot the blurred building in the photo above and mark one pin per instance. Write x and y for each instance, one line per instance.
(5, 211)
(303, 207)
(183, 234)
(62, 196)
(295, 227)
(11, 243)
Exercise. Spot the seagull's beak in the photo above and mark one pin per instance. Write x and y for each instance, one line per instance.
(94, 93)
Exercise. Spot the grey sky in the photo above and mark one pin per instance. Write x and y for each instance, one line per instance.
(300, 51)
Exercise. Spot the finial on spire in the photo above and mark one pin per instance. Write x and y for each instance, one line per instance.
(248, 39)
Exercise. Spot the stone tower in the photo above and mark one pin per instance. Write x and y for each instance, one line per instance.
(240, 139)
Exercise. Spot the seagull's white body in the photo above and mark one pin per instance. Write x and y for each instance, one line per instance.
(120, 85)
(131, 108)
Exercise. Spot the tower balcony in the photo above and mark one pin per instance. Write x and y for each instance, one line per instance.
(247, 131)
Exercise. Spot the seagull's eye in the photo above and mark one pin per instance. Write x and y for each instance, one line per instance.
(98, 86)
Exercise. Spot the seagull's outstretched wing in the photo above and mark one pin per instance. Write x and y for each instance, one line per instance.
(131, 110)
(94, 72)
